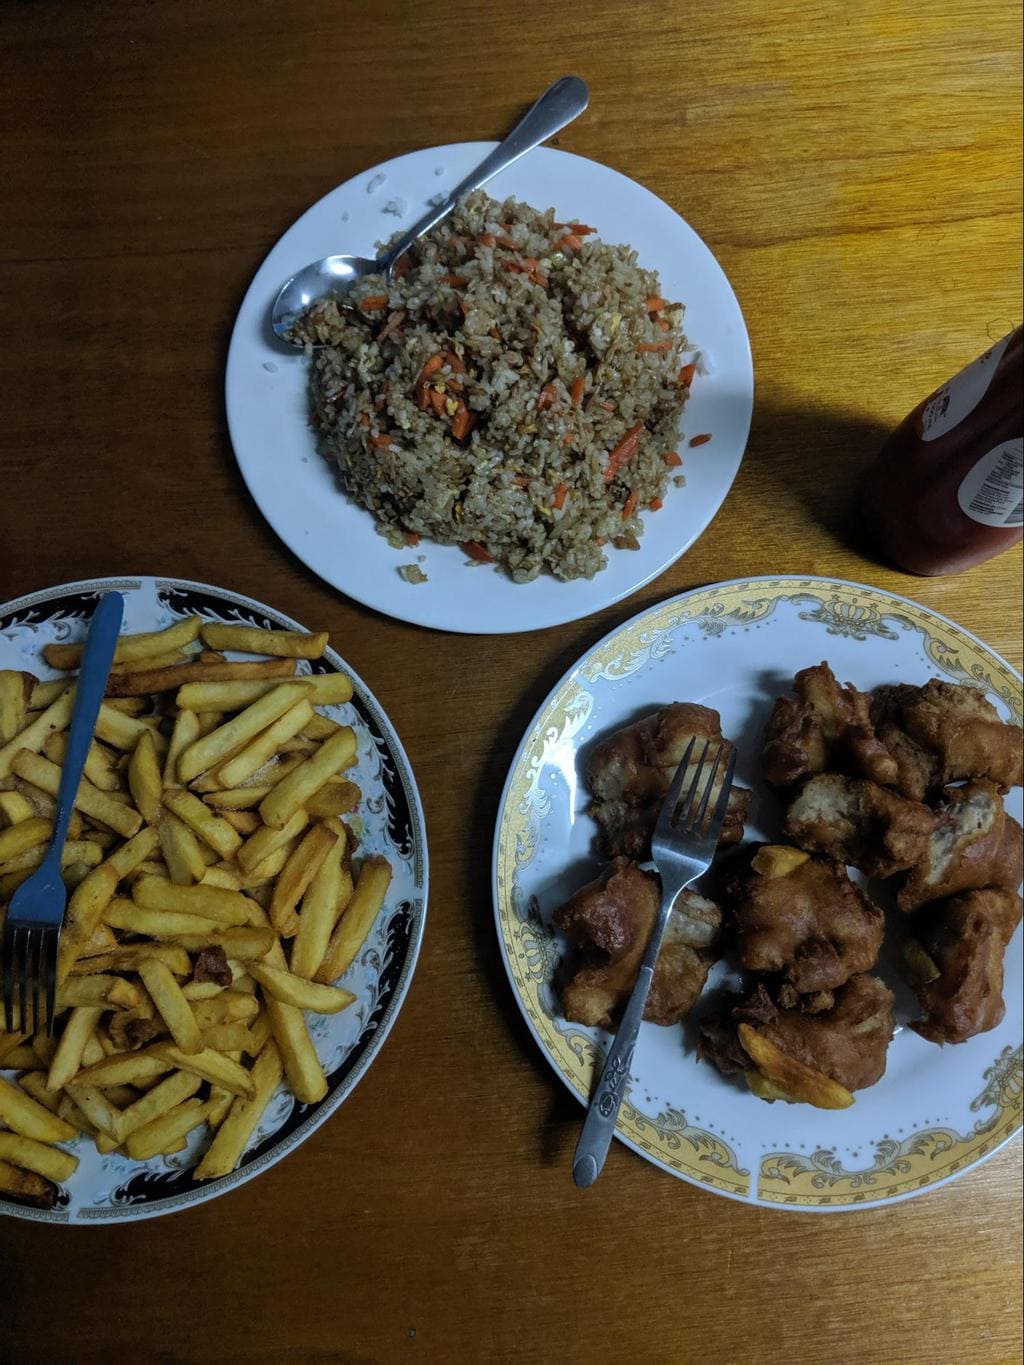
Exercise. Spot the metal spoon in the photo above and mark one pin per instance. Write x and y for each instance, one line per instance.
(334, 275)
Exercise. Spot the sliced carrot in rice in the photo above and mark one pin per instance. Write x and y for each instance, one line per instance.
(701, 440)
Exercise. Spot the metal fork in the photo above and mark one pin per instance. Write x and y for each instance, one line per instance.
(682, 847)
(35, 915)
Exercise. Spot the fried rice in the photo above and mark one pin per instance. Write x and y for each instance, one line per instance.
(516, 390)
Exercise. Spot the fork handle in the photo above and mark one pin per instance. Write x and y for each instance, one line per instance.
(599, 1125)
(97, 656)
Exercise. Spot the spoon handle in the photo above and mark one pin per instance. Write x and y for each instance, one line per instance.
(559, 105)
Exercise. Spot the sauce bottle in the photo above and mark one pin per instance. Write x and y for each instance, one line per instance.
(946, 489)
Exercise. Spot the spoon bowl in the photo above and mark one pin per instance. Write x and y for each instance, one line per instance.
(334, 275)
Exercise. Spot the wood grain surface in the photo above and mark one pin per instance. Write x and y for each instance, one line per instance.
(857, 171)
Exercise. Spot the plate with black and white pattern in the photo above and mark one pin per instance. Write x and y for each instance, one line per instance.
(389, 821)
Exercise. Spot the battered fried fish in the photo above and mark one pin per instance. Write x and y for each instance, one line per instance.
(945, 732)
(800, 916)
(630, 772)
(859, 823)
(611, 920)
(847, 1042)
(975, 844)
(955, 965)
(826, 727)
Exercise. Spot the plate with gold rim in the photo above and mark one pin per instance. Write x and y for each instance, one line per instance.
(388, 821)
(938, 1111)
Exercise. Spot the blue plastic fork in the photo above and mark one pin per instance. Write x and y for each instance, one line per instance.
(35, 915)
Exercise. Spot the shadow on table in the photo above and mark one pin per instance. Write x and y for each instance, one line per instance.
(812, 460)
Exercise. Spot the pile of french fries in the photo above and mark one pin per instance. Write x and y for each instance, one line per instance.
(214, 896)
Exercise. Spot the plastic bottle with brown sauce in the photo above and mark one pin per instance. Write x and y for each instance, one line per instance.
(946, 489)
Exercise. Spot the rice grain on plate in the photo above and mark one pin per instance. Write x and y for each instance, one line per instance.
(515, 390)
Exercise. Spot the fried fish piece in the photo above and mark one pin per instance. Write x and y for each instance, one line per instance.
(846, 1042)
(825, 727)
(630, 772)
(859, 823)
(611, 920)
(945, 732)
(975, 844)
(955, 964)
(810, 924)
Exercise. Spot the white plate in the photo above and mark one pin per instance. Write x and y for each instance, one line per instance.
(112, 1188)
(267, 401)
(735, 646)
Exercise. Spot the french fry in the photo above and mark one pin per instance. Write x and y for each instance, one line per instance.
(98, 988)
(320, 727)
(175, 1010)
(181, 851)
(144, 780)
(57, 716)
(52, 1162)
(92, 1051)
(129, 706)
(793, 1078)
(100, 767)
(69, 1111)
(227, 739)
(15, 690)
(264, 746)
(122, 730)
(267, 841)
(45, 1049)
(220, 1103)
(26, 1186)
(320, 908)
(170, 679)
(246, 822)
(265, 872)
(298, 991)
(84, 913)
(127, 958)
(88, 799)
(25, 1116)
(229, 1007)
(102, 941)
(44, 694)
(201, 820)
(211, 902)
(14, 808)
(131, 855)
(224, 877)
(100, 1110)
(122, 1068)
(185, 732)
(158, 924)
(34, 1084)
(67, 1060)
(209, 721)
(21, 1059)
(286, 644)
(163, 1133)
(153, 661)
(240, 799)
(237, 1129)
(230, 1038)
(8, 1042)
(130, 647)
(25, 835)
(296, 875)
(291, 1033)
(209, 1065)
(356, 922)
(247, 944)
(287, 797)
(167, 1095)
(325, 689)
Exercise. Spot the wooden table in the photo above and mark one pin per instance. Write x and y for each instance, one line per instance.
(856, 169)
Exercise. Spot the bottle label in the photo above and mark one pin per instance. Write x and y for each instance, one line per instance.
(992, 492)
(956, 400)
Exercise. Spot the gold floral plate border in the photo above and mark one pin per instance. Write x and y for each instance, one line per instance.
(820, 1181)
